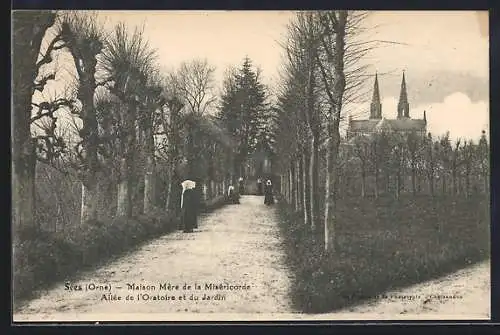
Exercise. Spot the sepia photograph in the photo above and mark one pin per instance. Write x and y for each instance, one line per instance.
(250, 165)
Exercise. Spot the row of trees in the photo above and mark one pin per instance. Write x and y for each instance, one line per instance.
(115, 120)
(443, 166)
(391, 163)
(321, 77)
(324, 73)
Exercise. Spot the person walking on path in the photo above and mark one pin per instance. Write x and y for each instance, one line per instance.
(259, 186)
(268, 193)
(232, 196)
(189, 206)
(241, 185)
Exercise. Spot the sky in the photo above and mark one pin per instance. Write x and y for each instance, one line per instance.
(444, 56)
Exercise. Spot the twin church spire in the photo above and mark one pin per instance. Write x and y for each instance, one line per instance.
(376, 105)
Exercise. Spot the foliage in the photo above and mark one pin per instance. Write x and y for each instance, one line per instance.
(44, 258)
(119, 105)
(383, 245)
(245, 112)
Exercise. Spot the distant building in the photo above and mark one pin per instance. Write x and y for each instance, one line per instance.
(404, 124)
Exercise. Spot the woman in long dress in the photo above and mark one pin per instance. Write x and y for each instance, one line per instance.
(241, 186)
(189, 206)
(268, 193)
(232, 195)
(259, 186)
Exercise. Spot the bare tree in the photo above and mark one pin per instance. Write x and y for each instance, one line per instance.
(29, 28)
(468, 157)
(302, 70)
(195, 82)
(413, 152)
(152, 101)
(430, 153)
(84, 39)
(127, 60)
(455, 166)
(484, 161)
(445, 160)
(362, 152)
(196, 85)
(398, 160)
(172, 123)
(335, 25)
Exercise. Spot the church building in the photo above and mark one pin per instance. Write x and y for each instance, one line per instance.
(403, 124)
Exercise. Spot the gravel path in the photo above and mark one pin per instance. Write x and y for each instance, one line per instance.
(236, 245)
(463, 294)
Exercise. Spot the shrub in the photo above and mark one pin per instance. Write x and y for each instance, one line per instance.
(42, 258)
(382, 245)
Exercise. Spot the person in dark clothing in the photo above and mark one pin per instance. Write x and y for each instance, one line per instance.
(189, 206)
(268, 193)
(259, 187)
(232, 196)
(241, 185)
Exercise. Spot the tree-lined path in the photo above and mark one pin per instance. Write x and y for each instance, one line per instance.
(236, 245)
(106, 128)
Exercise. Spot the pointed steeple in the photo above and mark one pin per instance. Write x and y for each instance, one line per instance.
(376, 106)
(403, 105)
(425, 117)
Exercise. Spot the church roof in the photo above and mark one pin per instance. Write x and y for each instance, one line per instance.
(383, 125)
(363, 125)
(387, 124)
(408, 124)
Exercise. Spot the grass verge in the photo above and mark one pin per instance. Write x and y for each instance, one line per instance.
(382, 245)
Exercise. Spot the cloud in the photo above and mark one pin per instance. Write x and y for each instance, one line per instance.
(456, 114)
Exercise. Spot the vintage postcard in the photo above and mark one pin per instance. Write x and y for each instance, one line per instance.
(250, 165)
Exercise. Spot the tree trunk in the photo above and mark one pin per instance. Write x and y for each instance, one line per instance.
(376, 182)
(149, 185)
(363, 182)
(459, 186)
(90, 141)
(486, 184)
(387, 182)
(333, 132)
(306, 189)
(191, 161)
(23, 187)
(454, 181)
(329, 224)
(28, 28)
(90, 200)
(467, 183)
(443, 184)
(398, 183)
(431, 185)
(298, 183)
(168, 200)
(293, 190)
(314, 180)
(413, 181)
(124, 207)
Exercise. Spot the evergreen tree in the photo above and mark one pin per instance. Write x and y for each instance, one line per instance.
(244, 112)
